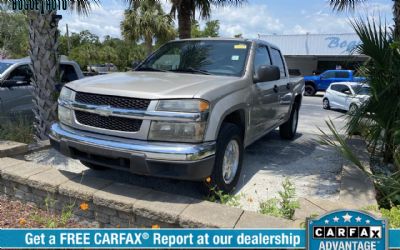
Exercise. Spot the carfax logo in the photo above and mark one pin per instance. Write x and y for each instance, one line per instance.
(39, 5)
(347, 230)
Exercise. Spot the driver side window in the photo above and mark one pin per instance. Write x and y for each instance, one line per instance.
(261, 57)
(20, 76)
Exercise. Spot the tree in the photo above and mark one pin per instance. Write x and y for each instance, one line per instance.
(342, 5)
(14, 34)
(147, 21)
(185, 11)
(210, 30)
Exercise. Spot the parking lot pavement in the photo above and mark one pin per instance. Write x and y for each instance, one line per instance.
(314, 169)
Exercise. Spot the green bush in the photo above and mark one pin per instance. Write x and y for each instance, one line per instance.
(17, 128)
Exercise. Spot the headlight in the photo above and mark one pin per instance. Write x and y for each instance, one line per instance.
(183, 105)
(64, 115)
(177, 131)
(66, 94)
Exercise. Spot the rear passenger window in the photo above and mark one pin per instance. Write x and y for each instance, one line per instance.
(67, 73)
(277, 60)
(342, 74)
(261, 58)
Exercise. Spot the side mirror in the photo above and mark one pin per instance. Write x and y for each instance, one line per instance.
(267, 73)
(135, 64)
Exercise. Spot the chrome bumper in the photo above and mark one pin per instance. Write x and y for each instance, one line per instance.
(150, 150)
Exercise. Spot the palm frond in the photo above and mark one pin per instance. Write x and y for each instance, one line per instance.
(83, 6)
(342, 5)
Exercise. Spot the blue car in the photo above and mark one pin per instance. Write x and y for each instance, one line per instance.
(322, 81)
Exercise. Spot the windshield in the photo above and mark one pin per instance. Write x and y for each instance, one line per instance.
(362, 90)
(200, 57)
(4, 66)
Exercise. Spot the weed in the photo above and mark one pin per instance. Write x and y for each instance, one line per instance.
(392, 214)
(223, 198)
(285, 206)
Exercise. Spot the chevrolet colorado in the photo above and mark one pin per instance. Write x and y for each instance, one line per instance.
(186, 112)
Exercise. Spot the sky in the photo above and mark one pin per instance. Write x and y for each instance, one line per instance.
(253, 18)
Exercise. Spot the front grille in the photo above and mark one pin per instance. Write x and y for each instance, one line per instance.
(110, 122)
(113, 101)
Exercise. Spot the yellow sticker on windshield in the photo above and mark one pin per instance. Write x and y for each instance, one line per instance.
(240, 46)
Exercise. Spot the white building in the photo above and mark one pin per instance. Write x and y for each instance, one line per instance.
(311, 53)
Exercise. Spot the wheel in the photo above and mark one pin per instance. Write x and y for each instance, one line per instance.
(326, 104)
(288, 129)
(93, 166)
(309, 90)
(353, 108)
(228, 159)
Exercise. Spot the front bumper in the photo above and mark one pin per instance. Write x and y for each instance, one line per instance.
(171, 160)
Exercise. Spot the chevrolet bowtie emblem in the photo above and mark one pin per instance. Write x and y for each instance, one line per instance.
(104, 110)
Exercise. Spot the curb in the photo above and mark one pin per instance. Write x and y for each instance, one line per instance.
(122, 205)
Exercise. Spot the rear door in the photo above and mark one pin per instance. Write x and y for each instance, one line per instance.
(17, 96)
(342, 95)
(327, 78)
(264, 111)
(285, 87)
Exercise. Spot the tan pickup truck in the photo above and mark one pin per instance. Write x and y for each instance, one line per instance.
(187, 112)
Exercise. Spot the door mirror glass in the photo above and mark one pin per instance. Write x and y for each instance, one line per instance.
(267, 73)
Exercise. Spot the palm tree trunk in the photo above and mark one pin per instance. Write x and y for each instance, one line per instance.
(185, 19)
(396, 15)
(43, 54)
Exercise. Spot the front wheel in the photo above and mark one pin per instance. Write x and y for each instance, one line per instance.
(309, 90)
(326, 104)
(228, 159)
(288, 129)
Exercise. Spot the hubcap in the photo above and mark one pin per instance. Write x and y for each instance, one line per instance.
(309, 90)
(295, 120)
(231, 161)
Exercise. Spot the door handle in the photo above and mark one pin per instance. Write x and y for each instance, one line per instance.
(276, 88)
(289, 85)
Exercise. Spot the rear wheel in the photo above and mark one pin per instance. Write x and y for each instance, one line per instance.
(93, 166)
(288, 129)
(309, 90)
(326, 104)
(228, 159)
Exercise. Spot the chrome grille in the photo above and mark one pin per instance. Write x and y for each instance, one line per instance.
(108, 122)
(113, 101)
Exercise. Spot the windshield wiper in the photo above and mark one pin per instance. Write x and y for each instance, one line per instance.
(191, 70)
(150, 69)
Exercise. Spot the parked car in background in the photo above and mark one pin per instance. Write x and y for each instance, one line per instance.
(321, 82)
(102, 68)
(15, 83)
(347, 96)
(187, 112)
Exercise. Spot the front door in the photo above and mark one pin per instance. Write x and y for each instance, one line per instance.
(264, 111)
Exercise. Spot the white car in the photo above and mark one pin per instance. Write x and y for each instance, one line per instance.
(347, 96)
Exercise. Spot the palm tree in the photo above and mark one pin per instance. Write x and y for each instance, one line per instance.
(186, 12)
(342, 5)
(146, 21)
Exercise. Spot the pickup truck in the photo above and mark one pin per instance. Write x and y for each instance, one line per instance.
(187, 112)
(322, 81)
(15, 83)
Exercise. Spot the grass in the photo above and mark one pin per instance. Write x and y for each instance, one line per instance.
(17, 128)
(54, 220)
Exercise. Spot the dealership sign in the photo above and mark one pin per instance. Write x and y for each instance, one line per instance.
(347, 230)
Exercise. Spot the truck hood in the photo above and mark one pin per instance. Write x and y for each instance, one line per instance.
(151, 85)
(311, 78)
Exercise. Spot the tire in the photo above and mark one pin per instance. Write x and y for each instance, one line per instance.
(93, 166)
(353, 108)
(309, 90)
(230, 135)
(326, 104)
(288, 129)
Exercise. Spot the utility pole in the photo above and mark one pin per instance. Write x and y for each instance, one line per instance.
(68, 44)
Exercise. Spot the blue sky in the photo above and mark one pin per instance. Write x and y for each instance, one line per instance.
(253, 18)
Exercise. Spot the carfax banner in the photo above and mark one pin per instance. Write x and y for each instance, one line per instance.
(339, 230)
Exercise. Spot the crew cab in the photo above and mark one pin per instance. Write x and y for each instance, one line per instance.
(187, 112)
(321, 82)
(15, 83)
